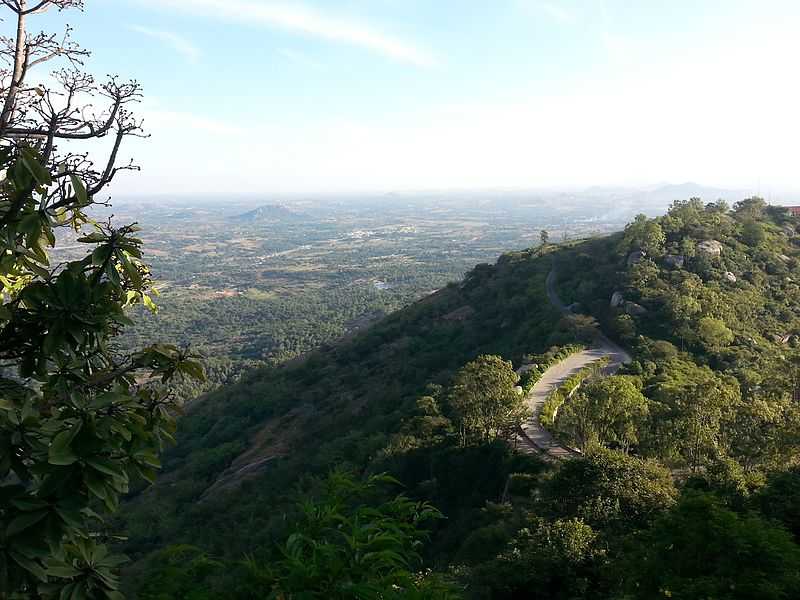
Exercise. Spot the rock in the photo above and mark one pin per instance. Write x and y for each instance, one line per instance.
(634, 309)
(617, 300)
(711, 247)
(460, 314)
(575, 307)
(789, 230)
(635, 257)
(674, 261)
(730, 276)
(784, 258)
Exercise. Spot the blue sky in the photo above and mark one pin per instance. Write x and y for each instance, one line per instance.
(370, 95)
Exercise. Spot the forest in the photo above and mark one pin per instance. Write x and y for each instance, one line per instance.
(689, 451)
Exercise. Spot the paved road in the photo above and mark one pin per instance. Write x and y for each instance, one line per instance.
(535, 439)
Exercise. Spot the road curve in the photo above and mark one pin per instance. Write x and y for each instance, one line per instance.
(532, 438)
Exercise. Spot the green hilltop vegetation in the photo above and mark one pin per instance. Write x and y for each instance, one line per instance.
(385, 466)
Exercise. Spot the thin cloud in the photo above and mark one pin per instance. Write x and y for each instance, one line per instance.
(556, 11)
(308, 21)
(299, 58)
(177, 42)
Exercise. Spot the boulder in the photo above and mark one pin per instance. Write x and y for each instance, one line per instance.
(674, 261)
(617, 300)
(730, 276)
(634, 309)
(710, 247)
(635, 257)
(784, 258)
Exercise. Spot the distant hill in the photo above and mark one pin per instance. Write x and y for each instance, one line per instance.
(272, 213)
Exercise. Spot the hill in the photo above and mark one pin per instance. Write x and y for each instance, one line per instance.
(272, 213)
(699, 435)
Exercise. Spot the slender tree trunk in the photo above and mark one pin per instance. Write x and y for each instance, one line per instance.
(20, 58)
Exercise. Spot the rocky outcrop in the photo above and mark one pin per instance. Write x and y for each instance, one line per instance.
(710, 247)
(674, 261)
(635, 310)
(635, 257)
(617, 300)
(730, 277)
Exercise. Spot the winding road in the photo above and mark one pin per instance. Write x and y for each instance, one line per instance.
(532, 438)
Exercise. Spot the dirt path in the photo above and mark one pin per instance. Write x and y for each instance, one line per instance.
(535, 439)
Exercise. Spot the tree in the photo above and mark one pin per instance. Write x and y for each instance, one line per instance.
(714, 333)
(544, 236)
(78, 420)
(750, 209)
(609, 489)
(550, 560)
(580, 328)
(607, 411)
(341, 547)
(646, 235)
(753, 233)
(690, 413)
(485, 400)
(780, 500)
(704, 550)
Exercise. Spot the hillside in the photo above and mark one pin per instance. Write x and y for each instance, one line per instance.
(698, 436)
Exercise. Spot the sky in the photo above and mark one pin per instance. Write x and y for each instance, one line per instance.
(312, 96)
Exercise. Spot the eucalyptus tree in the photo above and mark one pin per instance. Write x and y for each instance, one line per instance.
(79, 420)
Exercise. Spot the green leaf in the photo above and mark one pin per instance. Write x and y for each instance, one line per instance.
(80, 189)
(97, 486)
(93, 238)
(105, 465)
(60, 452)
(32, 163)
(100, 255)
(30, 223)
(24, 521)
(62, 571)
(31, 566)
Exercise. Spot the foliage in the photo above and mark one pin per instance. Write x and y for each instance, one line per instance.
(346, 540)
(609, 489)
(536, 365)
(485, 401)
(559, 396)
(606, 412)
(703, 550)
(547, 560)
(78, 420)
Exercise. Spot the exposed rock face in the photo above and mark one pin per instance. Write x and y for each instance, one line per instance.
(634, 309)
(617, 299)
(635, 257)
(711, 247)
(674, 261)
(730, 276)
(460, 314)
